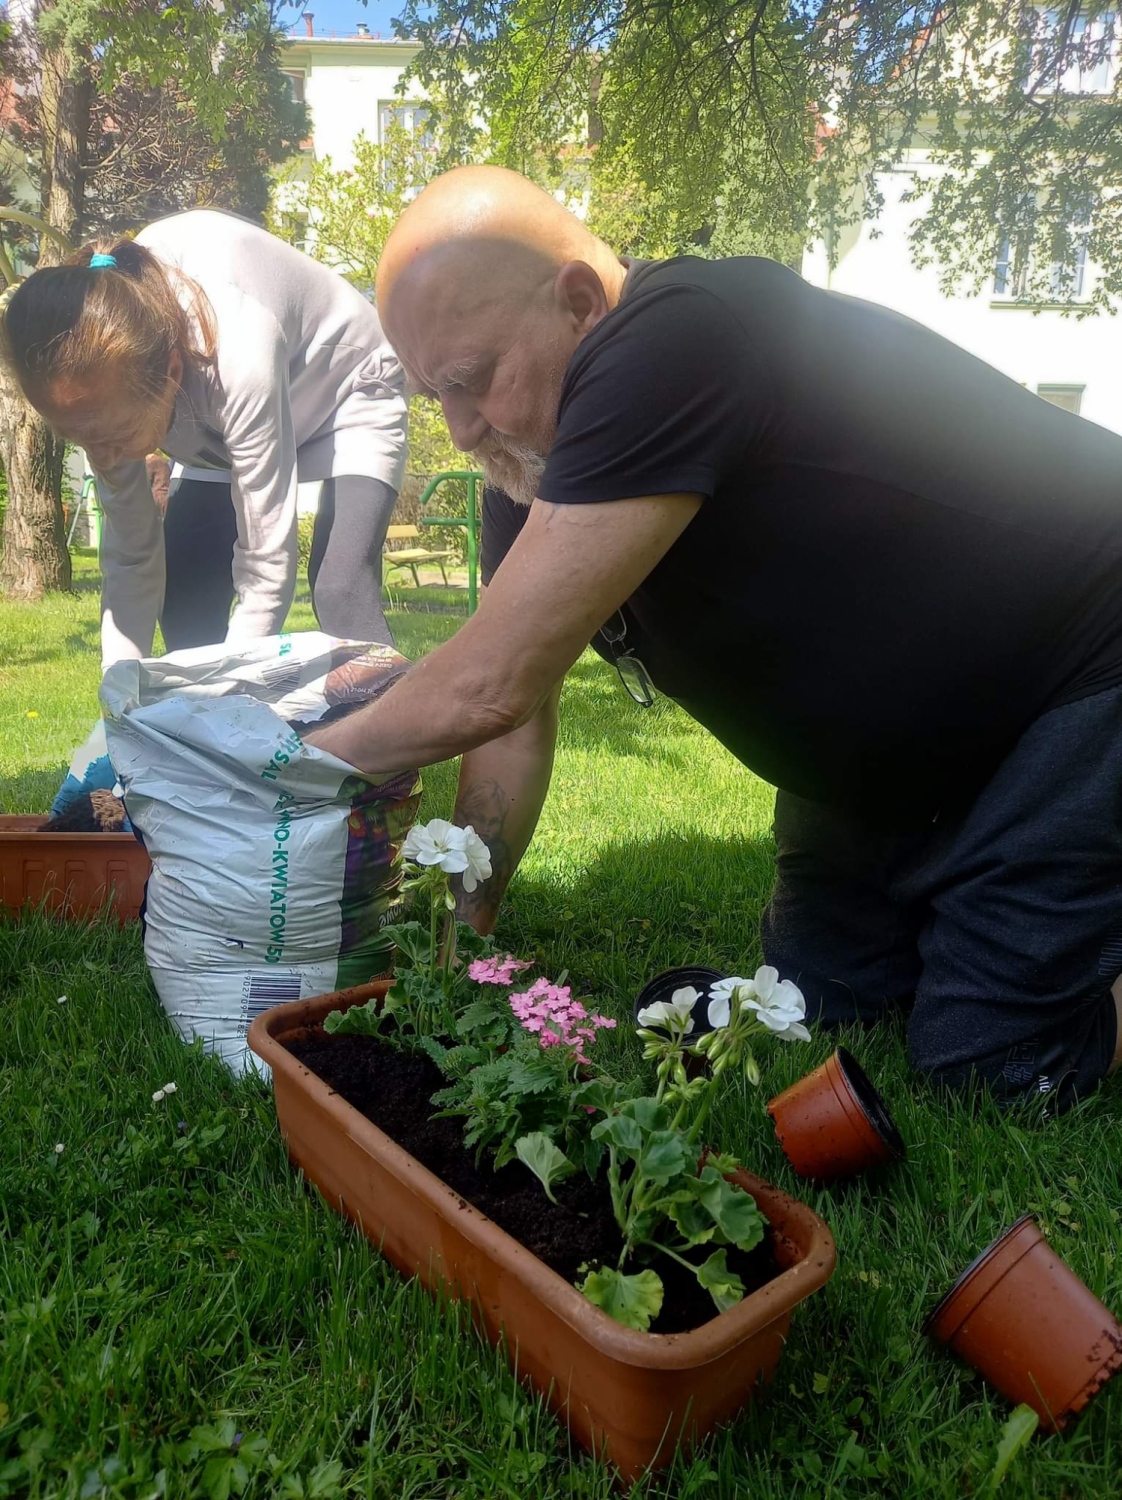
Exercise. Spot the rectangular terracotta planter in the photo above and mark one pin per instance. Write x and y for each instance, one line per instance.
(632, 1397)
(78, 874)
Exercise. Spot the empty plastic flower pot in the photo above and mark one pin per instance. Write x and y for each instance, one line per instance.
(833, 1123)
(663, 986)
(1027, 1323)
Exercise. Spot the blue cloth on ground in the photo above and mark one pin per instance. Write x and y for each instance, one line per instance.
(90, 771)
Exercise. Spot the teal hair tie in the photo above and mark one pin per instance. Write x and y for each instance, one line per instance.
(102, 262)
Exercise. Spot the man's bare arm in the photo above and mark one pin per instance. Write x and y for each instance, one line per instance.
(503, 785)
(570, 567)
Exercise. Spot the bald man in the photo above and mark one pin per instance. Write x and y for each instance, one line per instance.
(885, 576)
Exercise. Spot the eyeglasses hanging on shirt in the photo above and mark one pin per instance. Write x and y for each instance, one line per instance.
(632, 672)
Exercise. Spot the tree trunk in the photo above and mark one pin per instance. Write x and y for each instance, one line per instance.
(35, 558)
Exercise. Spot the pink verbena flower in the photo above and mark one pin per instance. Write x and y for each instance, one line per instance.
(497, 970)
(550, 1011)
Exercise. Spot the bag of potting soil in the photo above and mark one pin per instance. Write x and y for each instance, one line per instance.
(275, 866)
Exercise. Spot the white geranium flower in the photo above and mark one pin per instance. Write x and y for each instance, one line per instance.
(437, 843)
(62, 999)
(59, 1148)
(720, 999)
(778, 1003)
(678, 1009)
(157, 1097)
(169, 1088)
(478, 859)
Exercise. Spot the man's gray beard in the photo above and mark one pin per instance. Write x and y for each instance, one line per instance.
(512, 467)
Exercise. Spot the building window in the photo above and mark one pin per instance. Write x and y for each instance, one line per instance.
(1070, 397)
(1008, 277)
(293, 226)
(1067, 274)
(296, 87)
(412, 118)
(1073, 56)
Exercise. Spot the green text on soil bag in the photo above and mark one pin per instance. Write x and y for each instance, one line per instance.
(278, 877)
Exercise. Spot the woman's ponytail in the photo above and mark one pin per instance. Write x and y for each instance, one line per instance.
(111, 302)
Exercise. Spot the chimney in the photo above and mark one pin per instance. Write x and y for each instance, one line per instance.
(308, 19)
(362, 29)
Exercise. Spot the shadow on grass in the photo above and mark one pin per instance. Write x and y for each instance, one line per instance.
(641, 907)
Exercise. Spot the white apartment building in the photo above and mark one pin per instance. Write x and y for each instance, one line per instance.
(1071, 361)
(349, 84)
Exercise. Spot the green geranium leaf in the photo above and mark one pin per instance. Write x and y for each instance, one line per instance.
(647, 1113)
(470, 944)
(665, 1154)
(733, 1211)
(547, 1163)
(360, 1020)
(620, 1131)
(598, 1093)
(412, 941)
(724, 1286)
(630, 1300)
(593, 1153)
(695, 1223)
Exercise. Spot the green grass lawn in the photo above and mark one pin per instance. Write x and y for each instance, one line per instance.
(166, 1281)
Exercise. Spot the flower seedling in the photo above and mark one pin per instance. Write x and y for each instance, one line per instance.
(663, 1202)
(518, 1058)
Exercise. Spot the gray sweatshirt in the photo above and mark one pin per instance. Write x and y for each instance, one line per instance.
(304, 387)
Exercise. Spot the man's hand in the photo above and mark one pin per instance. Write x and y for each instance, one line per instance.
(569, 569)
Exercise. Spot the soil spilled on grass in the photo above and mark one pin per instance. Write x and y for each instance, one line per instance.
(394, 1089)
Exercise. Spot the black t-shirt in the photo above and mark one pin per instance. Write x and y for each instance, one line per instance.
(901, 559)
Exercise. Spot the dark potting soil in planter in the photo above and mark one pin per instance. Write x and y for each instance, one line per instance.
(393, 1090)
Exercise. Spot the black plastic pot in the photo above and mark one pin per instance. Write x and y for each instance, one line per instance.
(662, 987)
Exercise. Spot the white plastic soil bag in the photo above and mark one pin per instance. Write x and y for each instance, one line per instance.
(275, 866)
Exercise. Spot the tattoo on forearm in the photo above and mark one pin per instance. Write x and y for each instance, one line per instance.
(485, 806)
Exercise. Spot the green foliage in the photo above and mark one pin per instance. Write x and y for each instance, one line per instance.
(427, 994)
(547, 1163)
(771, 121)
(633, 1300)
(1015, 1436)
(723, 1285)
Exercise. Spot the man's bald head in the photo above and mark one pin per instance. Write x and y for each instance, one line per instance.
(474, 206)
(485, 288)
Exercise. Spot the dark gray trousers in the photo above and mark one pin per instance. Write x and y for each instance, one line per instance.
(345, 569)
(998, 926)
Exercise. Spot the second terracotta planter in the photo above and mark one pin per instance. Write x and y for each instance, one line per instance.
(635, 1397)
(1026, 1322)
(833, 1123)
(76, 874)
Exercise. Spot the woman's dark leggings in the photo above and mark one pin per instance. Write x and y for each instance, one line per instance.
(345, 568)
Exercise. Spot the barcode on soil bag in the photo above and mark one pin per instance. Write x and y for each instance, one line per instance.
(263, 991)
(282, 678)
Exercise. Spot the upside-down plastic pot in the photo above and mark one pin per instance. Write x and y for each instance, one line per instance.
(833, 1123)
(663, 986)
(1026, 1322)
(635, 1397)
